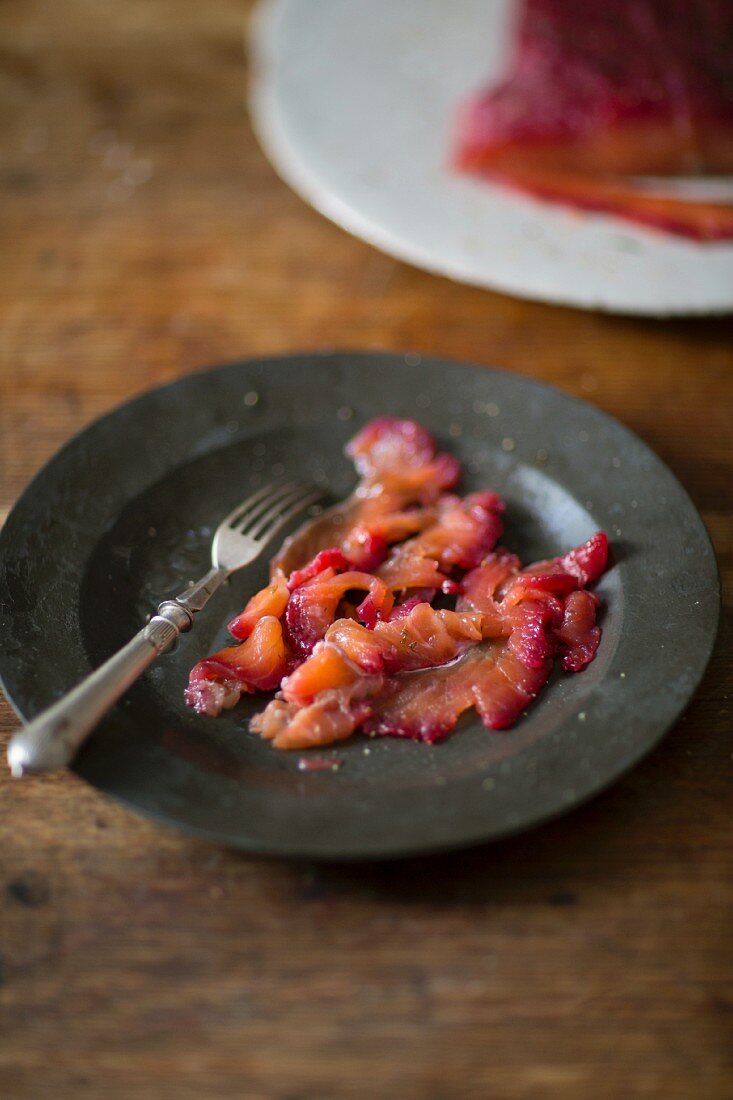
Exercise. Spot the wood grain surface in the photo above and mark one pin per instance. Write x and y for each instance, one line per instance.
(143, 236)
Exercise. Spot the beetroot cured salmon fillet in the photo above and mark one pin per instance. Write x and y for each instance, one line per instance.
(596, 92)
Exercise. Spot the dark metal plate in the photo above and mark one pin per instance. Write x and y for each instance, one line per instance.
(123, 516)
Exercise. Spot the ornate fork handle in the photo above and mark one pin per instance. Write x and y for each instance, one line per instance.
(51, 740)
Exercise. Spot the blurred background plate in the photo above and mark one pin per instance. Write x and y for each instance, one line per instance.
(354, 101)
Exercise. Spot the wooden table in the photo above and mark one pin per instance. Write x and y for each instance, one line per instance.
(144, 235)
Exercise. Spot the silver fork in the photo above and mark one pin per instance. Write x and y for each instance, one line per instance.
(53, 737)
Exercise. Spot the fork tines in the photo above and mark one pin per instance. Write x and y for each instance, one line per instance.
(270, 508)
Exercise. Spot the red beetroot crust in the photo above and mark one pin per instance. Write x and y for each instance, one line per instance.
(599, 91)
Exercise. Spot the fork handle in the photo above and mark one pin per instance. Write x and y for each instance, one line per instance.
(50, 741)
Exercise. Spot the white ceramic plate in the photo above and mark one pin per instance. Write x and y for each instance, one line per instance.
(354, 101)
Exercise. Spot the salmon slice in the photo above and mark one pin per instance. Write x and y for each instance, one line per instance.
(596, 92)
(463, 533)
(586, 563)
(312, 607)
(257, 664)
(401, 473)
(423, 639)
(426, 706)
(334, 717)
(577, 635)
(698, 220)
(271, 600)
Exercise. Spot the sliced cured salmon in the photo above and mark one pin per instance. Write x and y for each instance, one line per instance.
(351, 647)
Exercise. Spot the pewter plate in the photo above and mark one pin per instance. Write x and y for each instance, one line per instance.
(123, 516)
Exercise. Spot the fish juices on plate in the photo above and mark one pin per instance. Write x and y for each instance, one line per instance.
(399, 609)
